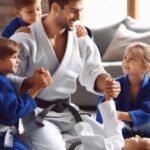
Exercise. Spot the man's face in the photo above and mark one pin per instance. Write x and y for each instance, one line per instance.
(67, 17)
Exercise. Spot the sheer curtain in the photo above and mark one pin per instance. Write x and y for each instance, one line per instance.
(144, 11)
(99, 13)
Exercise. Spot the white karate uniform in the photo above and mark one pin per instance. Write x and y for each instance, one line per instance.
(81, 60)
(110, 136)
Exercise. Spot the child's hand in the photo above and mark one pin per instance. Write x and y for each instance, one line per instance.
(23, 29)
(42, 78)
(80, 31)
(111, 88)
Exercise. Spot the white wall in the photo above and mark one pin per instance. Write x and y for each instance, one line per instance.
(98, 13)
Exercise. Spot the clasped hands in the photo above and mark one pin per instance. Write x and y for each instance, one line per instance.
(111, 88)
(42, 77)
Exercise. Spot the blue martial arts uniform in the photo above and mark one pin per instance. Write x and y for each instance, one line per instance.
(12, 26)
(139, 110)
(12, 107)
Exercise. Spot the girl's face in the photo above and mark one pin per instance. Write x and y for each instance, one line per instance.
(9, 64)
(132, 65)
(136, 143)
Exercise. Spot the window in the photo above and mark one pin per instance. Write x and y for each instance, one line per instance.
(144, 11)
(98, 13)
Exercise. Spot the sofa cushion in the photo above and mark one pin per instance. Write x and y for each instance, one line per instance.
(103, 36)
(135, 25)
(122, 38)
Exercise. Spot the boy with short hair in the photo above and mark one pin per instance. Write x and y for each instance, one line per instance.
(12, 105)
(28, 12)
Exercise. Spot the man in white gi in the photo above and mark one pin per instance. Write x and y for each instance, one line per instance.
(52, 44)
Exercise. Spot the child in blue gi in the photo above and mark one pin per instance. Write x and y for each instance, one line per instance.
(133, 102)
(132, 143)
(28, 12)
(13, 105)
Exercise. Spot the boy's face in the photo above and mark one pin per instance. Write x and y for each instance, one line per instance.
(9, 64)
(136, 143)
(30, 14)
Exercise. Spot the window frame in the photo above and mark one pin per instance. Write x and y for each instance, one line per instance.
(132, 6)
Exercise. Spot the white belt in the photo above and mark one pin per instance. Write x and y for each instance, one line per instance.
(10, 132)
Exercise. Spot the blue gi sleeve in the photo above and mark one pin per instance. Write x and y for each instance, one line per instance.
(12, 105)
(141, 116)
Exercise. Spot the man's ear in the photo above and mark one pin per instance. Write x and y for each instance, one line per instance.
(55, 7)
(17, 12)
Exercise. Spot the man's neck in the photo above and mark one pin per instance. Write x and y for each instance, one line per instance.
(51, 29)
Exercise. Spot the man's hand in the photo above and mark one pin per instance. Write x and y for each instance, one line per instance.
(111, 88)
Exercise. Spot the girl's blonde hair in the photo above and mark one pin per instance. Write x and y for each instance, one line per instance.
(141, 50)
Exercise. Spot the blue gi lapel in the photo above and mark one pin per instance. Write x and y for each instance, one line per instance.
(126, 95)
(141, 91)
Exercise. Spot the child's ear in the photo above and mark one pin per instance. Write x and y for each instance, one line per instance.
(17, 12)
(147, 66)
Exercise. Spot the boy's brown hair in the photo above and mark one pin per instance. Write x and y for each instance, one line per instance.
(18, 4)
(8, 47)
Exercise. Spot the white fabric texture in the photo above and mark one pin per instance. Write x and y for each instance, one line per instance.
(122, 38)
(111, 137)
(81, 59)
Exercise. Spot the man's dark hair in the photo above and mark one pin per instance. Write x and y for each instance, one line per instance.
(18, 4)
(8, 47)
(62, 3)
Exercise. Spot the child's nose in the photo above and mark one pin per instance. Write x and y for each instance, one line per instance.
(18, 60)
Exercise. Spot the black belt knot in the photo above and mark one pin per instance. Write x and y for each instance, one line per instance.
(58, 106)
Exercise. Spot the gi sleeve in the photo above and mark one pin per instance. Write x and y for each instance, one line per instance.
(13, 105)
(111, 140)
(141, 116)
(92, 65)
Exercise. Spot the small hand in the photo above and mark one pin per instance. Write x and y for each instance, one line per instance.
(23, 29)
(81, 31)
(42, 77)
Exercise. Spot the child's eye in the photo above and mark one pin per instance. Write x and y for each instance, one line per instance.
(124, 57)
(29, 12)
(38, 9)
(131, 59)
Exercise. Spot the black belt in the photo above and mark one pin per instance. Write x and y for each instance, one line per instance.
(74, 145)
(58, 108)
(58, 105)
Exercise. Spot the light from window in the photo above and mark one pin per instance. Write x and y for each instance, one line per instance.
(99, 13)
(144, 10)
